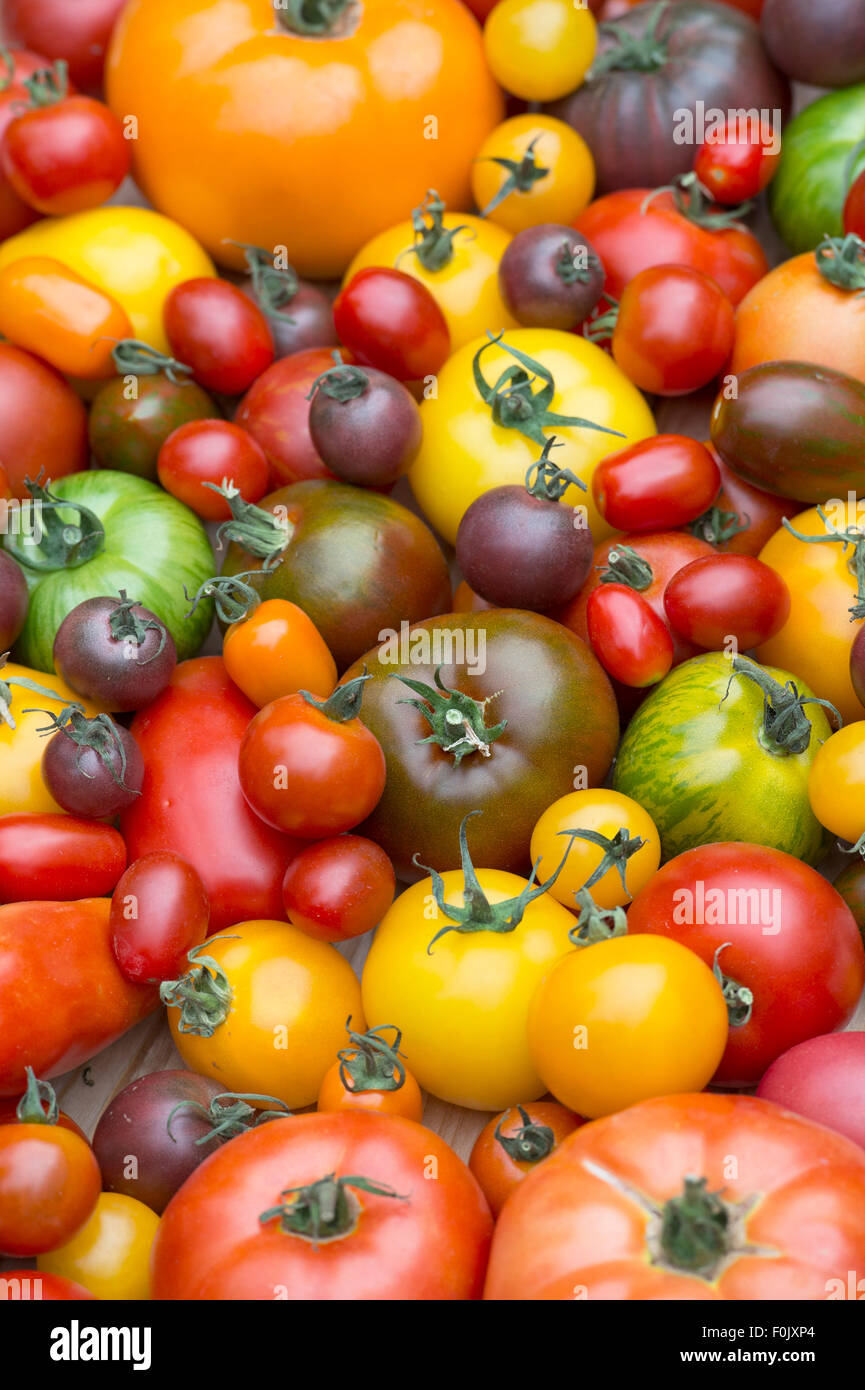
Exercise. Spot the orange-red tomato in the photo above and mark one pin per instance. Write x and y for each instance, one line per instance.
(511, 1145)
(49, 1183)
(369, 1074)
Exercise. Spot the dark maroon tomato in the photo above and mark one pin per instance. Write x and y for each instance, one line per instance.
(159, 911)
(338, 888)
(212, 451)
(303, 321)
(92, 767)
(219, 332)
(59, 858)
(78, 32)
(857, 664)
(391, 321)
(13, 598)
(364, 424)
(550, 277)
(657, 485)
(115, 652)
(822, 44)
(66, 156)
(127, 433)
(723, 596)
(631, 642)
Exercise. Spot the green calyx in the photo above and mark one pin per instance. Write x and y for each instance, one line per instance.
(547, 482)
(273, 286)
(341, 382)
(852, 536)
(23, 683)
(8, 64)
(595, 923)
(126, 626)
(630, 52)
(717, 526)
(316, 19)
(230, 1114)
(47, 541)
(132, 357)
(433, 242)
(100, 734)
(786, 728)
(233, 598)
(515, 405)
(30, 1109)
(456, 720)
(528, 1144)
(255, 530)
(694, 201)
(522, 175)
(617, 850)
(695, 1229)
(858, 848)
(203, 995)
(345, 702)
(625, 566)
(841, 261)
(602, 326)
(370, 1062)
(738, 998)
(48, 86)
(326, 1209)
(575, 269)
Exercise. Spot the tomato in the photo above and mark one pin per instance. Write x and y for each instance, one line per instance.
(276, 650)
(796, 40)
(49, 1183)
(263, 1009)
(275, 411)
(370, 1075)
(219, 332)
(854, 207)
(66, 153)
(722, 750)
(510, 1145)
(550, 277)
(14, 599)
(209, 451)
(613, 870)
(779, 938)
(159, 910)
(110, 1254)
(720, 597)
(673, 330)
(17, 65)
(540, 49)
(836, 785)
(191, 801)
(646, 1205)
(365, 424)
(743, 517)
(22, 787)
(115, 652)
(339, 888)
(43, 424)
(385, 104)
(46, 1288)
(353, 1180)
(37, 1106)
(391, 321)
(631, 642)
(470, 446)
(735, 164)
(48, 309)
(79, 33)
(58, 857)
(657, 485)
(821, 1079)
(128, 428)
(821, 155)
(533, 169)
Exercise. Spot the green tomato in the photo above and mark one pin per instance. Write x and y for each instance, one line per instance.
(119, 532)
(708, 761)
(806, 196)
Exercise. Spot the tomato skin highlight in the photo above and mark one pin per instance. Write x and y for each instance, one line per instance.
(57, 857)
(629, 639)
(49, 310)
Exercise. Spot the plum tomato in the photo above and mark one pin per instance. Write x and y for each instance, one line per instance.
(219, 332)
(631, 642)
(391, 321)
(159, 910)
(338, 888)
(657, 485)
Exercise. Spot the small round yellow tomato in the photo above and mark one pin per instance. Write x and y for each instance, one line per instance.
(110, 1255)
(836, 782)
(551, 173)
(626, 1019)
(605, 813)
(285, 998)
(21, 748)
(540, 49)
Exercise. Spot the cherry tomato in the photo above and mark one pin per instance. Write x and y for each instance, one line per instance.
(540, 49)
(674, 330)
(48, 309)
(614, 870)
(219, 332)
(88, 770)
(159, 910)
(15, 66)
(276, 412)
(211, 451)
(110, 1254)
(510, 1146)
(339, 888)
(49, 1183)
(370, 1074)
(656, 485)
(66, 155)
(79, 33)
(277, 650)
(854, 207)
(629, 639)
(723, 596)
(57, 857)
(734, 167)
(391, 321)
(742, 518)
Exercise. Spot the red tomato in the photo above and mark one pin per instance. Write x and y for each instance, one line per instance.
(674, 330)
(66, 156)
(49, 1183)
(511, 1145)
(854, 206)
(219, 332)
(43, 424)
(15, 214)
(824, 1080)
(631, 642)
(59, 857)
(391, 321)
(795, 964)
(338, 888)
(212, 451)
(79, 33)
(723, 596)
(275, 411)
(742, 518)
(159, 911)
(656, 485)
(191, 801)
(39, 1285)
(734, 168)
(401, 1236)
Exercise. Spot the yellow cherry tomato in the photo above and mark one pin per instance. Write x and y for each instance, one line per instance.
(134, 254)
(465, 452)
(284, 1000)
(110, 1255)
(815, 641)
(21, 747)
(461, 271)
(601, 812)
(548, 174)
(626, 1019)
(540, 49)
(836, 782)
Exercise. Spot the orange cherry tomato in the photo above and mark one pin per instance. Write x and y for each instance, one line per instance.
(277, 650)
(48, 309)
(49, 1184)
(370, 1075)
(513, 1143)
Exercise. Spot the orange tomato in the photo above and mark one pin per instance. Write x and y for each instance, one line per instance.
(48, 309)
(277, 651)
(512, 1144)
(370, 1075)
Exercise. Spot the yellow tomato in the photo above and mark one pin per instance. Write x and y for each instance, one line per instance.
(540, 49)
(836, 782)
(815, 641)
(550, 173)
(464, 452)
(625, 1019)
(21, 748)
(110, 1255)
(134, 254)
(602, 812)
(286, 999)
(461, 272)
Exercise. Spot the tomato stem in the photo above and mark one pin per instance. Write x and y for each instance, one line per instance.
(371, 1063)
(694, 201)
(786, 728)
(568, 267)
(326, 1209)
(126, 626)
(341, 382)
(230, 1114)
(255, 530)
(345, 702)
(547, 482)
(694, 1229)
(738, 998)
(631, 52)
(851, 535)
(522, 175)
(49, 85)
(456, 720)
(24, 683)
(841, 261)
(132, 357)
(30, 1109)
(528, 1144)
(616, 851)
(273, 286)
(595, 923)
(234, 600)
(625, 566)
(100, 734)
(717, 526)
(433, 241)
(319, 19)
(203, 994)
(47, 541)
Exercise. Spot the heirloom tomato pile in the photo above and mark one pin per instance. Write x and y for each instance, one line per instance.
(432, 649)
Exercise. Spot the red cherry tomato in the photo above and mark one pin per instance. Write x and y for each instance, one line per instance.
(512, 1144)
(212, 451)
(47, 856)
(735, 167)
(15, 66)
(338, 888)
(219, 332)
(724, 596)
(656, 485)
(66, 156)
(49, 1183)
(629, 639)
(159, 910)
(391, 321)
(78, 32)
(854, 207)
(674, 330)
(275, 411)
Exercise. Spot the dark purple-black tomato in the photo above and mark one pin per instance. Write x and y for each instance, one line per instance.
(550, 277)
(13, 600)
(115, 652)
(364, 424)
(92, 767)
(299, 315)
(857, 664)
